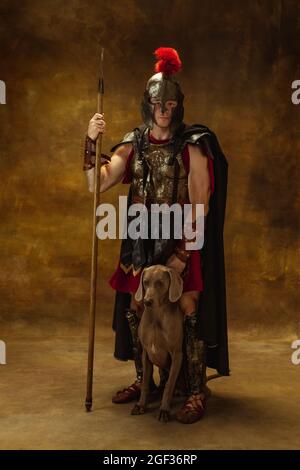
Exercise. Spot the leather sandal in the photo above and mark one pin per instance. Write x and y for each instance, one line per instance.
(193, 409)
(133, 392)
(128, 394)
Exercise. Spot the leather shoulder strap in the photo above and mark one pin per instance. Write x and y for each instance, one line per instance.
(132, 137)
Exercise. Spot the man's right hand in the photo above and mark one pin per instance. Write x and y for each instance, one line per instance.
(96, 126)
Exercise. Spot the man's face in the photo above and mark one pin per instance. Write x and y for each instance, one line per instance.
(163, 119)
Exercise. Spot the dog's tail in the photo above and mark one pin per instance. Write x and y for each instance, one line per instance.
(213, 376)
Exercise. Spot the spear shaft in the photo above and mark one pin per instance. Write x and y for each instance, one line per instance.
(94, 264)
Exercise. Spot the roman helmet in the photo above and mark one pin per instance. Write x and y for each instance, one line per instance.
(163, 86)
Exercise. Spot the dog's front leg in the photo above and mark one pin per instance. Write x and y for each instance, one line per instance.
(140, 406)
(164, 411)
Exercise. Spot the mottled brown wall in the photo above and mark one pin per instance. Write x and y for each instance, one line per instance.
(239, 61)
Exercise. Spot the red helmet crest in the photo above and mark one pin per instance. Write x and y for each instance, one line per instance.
(168, 61)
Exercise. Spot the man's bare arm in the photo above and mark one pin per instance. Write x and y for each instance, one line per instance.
(113, 172)
(199, 193)
(199, 179)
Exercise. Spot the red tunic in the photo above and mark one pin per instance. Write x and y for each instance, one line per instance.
(128, 282)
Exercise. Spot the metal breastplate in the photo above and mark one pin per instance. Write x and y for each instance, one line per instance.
(160, 178)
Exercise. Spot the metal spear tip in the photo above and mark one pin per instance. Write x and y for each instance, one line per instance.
(101, 64)
(88, 405)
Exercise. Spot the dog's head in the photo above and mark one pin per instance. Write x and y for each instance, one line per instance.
(159, 284)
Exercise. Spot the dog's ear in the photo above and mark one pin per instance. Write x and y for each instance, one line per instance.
(176, 285)
(140, 292)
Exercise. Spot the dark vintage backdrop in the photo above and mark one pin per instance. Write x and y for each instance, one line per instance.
(239, 60)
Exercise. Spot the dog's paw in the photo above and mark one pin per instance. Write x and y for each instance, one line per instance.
(164, 416)
(138, 410)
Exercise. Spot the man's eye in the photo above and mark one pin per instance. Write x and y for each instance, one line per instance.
(171, 103)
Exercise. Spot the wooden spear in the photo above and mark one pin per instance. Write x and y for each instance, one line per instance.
(93, 288)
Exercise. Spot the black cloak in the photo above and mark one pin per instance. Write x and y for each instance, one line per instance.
(211, 309)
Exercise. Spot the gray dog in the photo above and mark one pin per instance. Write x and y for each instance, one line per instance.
(160, 331)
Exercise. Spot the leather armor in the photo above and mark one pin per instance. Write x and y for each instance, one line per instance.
(160, 179)
(158, 176)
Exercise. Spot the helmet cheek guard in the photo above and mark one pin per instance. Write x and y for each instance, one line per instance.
(177, 113)
(147, 110)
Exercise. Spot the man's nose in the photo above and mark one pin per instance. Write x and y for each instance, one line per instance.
(163, 108)
(167, 111)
